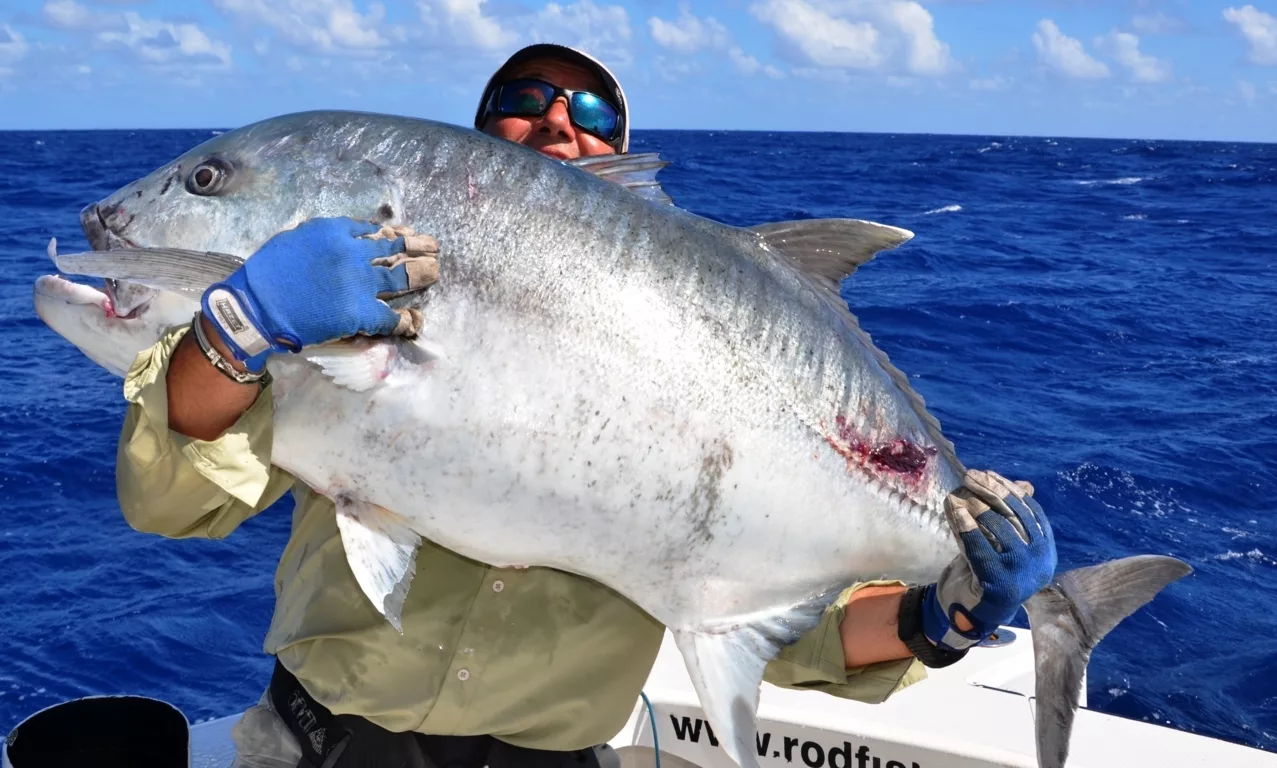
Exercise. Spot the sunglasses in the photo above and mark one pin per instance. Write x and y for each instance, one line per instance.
(532, 98)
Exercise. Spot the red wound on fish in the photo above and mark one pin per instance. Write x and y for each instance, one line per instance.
(900, 456)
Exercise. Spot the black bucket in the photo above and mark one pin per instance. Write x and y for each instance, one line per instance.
(101, 732)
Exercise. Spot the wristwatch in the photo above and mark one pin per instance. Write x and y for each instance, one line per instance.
(909, 630)
(221, 363)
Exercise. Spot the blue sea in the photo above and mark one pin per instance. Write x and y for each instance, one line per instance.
(1096, 317)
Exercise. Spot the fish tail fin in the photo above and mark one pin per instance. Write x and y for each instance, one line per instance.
(726, 667)
(1068, 619)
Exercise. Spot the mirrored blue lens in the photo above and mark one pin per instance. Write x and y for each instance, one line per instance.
(525, 97)
(594, 114)
(531, 98)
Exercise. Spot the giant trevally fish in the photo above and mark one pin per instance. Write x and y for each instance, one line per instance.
(604, 383)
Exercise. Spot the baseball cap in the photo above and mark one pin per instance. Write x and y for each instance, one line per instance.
(564, 53)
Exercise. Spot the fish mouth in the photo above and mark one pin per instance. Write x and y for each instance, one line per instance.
(122, 300)
(70, 292)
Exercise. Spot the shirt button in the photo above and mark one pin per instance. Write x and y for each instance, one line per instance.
(498, 585)
(463, 675)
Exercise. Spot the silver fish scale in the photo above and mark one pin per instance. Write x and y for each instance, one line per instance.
(613, 370)
(643, 372)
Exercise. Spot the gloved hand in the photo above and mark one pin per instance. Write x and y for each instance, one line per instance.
(321, 281)
(1008, 555)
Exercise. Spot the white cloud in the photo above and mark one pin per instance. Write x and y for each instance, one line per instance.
(688, 34)
(1124, 48)
(927, 55)
(896, 36)
(161, 42)
(1259, 29)
(12, 45)
(820, 37)
(154, 41)
(449, 39)
(1066, 54)
(68, 14)
(675, 70)
(323, 25)
(1157, 24)
(748, 65)
(466, 23)
(603, 30)
(997, 83)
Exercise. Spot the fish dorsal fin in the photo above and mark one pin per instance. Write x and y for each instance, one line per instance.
(823, 252)
(636, 172)
(830, 249)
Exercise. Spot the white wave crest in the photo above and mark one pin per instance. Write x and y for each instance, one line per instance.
(1122, 181)
(1254, 556)
(946, 209)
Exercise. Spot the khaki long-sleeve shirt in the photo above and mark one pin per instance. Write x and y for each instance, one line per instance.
(536, 657)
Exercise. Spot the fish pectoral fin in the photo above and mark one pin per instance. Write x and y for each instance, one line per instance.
(637, 172)
(830, 249)
(381, 550)
(360, 363)
(1068, 619)
(726, 668)
(166, 269)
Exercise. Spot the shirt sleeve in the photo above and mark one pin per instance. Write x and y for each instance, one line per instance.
(179, 487)
(816, 662)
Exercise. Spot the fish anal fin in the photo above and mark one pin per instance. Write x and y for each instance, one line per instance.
(637, 172)
(381, 550)
(1068, 619)
(830, 249)
(726, 667)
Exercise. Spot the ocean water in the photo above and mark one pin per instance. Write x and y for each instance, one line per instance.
(1096, 317)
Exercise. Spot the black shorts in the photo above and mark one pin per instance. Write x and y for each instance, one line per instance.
(349, 741)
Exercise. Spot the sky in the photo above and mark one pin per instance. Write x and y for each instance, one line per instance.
(1168, 69)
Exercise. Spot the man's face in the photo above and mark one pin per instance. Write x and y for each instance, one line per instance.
(552, 133)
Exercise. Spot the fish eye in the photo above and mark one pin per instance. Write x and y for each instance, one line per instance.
(208, 177)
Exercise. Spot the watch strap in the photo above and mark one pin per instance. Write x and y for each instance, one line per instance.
(910, 632)
(222, 364)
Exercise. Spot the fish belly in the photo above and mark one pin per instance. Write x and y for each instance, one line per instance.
(547, 447)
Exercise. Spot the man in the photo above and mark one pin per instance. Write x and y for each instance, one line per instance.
(529, 667)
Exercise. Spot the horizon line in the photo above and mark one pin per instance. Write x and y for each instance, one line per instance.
(639, 131)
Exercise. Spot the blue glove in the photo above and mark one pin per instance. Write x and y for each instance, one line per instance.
(318, 282)
(1008, 555)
